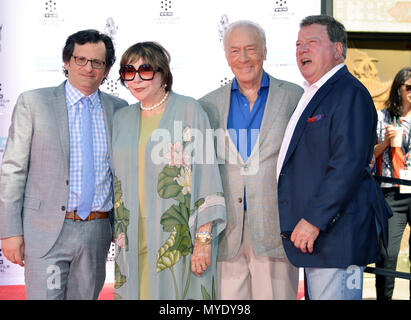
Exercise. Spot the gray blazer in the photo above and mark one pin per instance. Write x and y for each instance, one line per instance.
(258, 174)
(34, 175)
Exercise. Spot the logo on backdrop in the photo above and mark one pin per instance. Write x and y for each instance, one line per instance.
(166, 6)
(224, 81)
(3, 141)
(3, 263)
(50, 14)
(51, 9)
(166, 13)
(282, 10)
(1, 29)
(223, 26)
(111, 29)
(48, 64)
(280, 6)
(111, 86)
(3, 101)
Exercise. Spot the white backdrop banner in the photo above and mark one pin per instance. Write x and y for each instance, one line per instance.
(33, 33)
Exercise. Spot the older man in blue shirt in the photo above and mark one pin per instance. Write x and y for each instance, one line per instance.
(254, 110)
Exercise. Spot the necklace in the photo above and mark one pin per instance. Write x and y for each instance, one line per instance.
(155, 106)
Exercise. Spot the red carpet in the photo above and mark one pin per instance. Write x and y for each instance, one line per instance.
(18, 292)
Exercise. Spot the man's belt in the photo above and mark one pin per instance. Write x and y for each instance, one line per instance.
(93, 215)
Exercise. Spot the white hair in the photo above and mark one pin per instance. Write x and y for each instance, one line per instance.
(247, 24)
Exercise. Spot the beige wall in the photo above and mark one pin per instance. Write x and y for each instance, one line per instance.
(376, 63)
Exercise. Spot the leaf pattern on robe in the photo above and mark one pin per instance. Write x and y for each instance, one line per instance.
(175, 219)
(167, 258)
(174, 182)
(122, 220)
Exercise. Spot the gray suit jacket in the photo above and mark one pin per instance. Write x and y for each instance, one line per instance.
(34, 176)
(258, 174)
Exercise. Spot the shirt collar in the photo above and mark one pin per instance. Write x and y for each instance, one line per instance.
(324, 78)
(74, 96)
(265, 82)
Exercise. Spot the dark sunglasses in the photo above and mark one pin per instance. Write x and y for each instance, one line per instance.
(407, 87)
(146, 72)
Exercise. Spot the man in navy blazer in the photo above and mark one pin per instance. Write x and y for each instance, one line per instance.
(331, 210)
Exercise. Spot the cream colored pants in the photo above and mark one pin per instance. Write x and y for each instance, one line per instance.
(248, 276)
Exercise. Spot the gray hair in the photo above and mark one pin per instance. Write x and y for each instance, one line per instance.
(248, 24)
(336, 30)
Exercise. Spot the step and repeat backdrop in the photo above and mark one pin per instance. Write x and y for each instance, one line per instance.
(33, 33)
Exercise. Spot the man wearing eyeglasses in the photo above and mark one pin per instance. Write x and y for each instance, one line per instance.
(56, 192)
(252, 111)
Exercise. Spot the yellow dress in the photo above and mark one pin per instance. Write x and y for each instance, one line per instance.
(147, 126)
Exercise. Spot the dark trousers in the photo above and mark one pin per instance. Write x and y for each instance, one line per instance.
(401, 208)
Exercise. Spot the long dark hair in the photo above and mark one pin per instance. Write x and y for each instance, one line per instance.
(89, 36)
(394, 101)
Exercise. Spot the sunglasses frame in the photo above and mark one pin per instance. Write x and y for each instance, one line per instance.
(137, 71)
(407, 87)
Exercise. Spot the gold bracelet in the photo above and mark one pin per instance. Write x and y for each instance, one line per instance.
(203, 237)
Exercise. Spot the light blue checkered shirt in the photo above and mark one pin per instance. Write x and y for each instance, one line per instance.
(103, 187)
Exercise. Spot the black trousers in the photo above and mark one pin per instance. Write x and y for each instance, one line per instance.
(401, 208)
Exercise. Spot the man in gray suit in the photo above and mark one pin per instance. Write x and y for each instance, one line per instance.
(56, 190)
(252, 111)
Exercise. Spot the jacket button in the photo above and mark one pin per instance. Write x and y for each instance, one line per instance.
(67, 182)
(63, 208)
(240, 200)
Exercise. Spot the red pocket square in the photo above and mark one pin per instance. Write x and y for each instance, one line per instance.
(316, 118)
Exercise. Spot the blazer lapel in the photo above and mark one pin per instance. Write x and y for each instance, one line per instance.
(272, 109)
(108, 111)
(59, 106)
(309, 110)
(225, 102)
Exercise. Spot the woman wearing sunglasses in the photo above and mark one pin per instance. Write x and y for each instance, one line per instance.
(393, 153)
(169, 205)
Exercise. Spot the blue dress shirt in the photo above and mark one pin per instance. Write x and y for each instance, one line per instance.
(103, 190)
(244, 124)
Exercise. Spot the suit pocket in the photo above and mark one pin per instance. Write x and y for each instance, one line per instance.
(31, 203)
(316, 124)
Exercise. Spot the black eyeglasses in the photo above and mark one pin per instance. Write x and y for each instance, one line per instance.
(95, 63)
(407, 87)
(146, 72)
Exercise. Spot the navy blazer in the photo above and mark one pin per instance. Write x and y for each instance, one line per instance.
(325, 178)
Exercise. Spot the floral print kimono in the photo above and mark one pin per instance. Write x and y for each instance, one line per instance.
(183, 191)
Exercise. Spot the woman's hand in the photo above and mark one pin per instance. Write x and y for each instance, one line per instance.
(201, 258)
(390, 132)
(380, 147)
